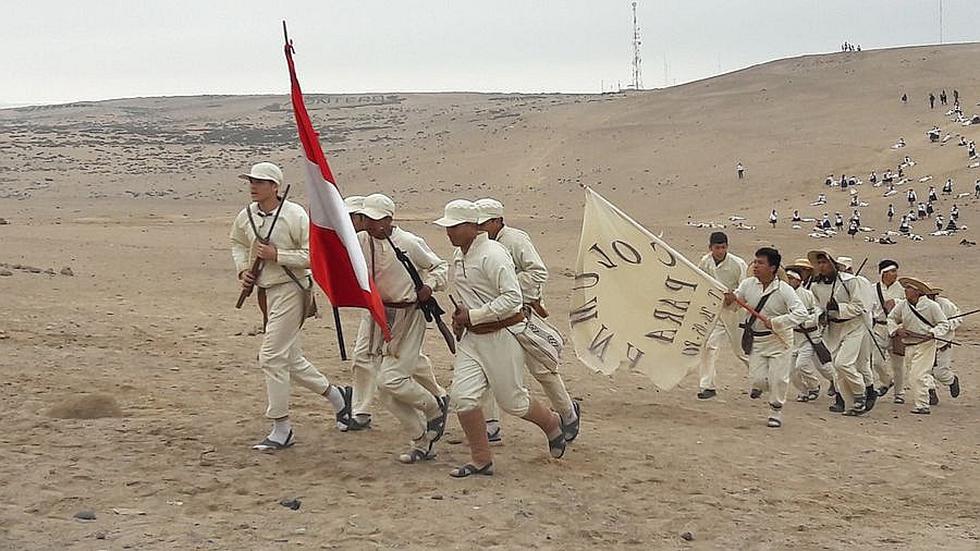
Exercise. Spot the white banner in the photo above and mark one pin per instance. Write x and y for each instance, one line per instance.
(636, 302)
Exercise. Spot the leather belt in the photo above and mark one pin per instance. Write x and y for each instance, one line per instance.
(401, 305)
(802, 330)
(494, 326)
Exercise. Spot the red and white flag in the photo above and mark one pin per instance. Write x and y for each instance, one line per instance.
(336, 258)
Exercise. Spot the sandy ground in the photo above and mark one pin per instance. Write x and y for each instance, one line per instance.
(135, 197)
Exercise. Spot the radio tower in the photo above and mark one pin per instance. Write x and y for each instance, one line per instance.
(637, 77)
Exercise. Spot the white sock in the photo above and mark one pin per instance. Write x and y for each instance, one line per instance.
(280, 430)
(336, 398)
(569, 417)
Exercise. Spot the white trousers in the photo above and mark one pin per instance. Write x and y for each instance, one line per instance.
(769, 369)
(943, 371)
(401, 394)
(845, 348)
(725, 328)
(919, 359)
(804, 368)
(865, 357)
(281, 354)
(493, 362)
(883, 367)
(366, 362)
(551, 383)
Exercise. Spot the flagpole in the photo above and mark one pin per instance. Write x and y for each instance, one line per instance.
(340, 333)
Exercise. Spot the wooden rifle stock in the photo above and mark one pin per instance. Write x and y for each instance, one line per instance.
(256, 268)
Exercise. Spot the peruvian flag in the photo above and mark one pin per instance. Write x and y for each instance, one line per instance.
(335, 256)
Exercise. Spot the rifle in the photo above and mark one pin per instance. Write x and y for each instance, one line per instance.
(430, 308)
(257, 264)
(970, 313)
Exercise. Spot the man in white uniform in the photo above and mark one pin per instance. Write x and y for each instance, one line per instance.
(418, 409)
(871, 352)
(806, 336)
(532, 275)
(769, 347)
(366, 359)
(730, 270)
(943, 371)
(838, 296)
(887, 293)
(918, 321)
(285, 296)
(488, 355)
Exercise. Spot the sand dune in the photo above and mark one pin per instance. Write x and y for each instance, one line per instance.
(129, 380)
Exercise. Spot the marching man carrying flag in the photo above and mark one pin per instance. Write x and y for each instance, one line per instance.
(284, 296)
(766, 332)
(324, 243)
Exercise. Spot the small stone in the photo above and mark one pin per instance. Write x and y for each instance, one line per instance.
(5, 272)
(101, 535)
(66, 271)
(85, 515)
(687, 536)
(291, 503)
(4, 221)
(437, 497)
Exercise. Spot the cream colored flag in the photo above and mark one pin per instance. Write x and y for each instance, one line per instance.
(637, 303)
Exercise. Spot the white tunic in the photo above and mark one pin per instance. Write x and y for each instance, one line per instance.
(784, 309)
(813, 316)
(902, 316)
(291, 238)
(390, 276)
(485, 281)
(531, 271)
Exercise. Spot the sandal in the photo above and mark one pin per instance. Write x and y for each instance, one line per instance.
(470, 470)
(802, 397)
(416, 455)
(921, 411)
(356, 425)
(812, 395)
(571, 429)
(494, 437)
(344, 417)
(898, 400)
(269, 445)
(557, 446)
(774, 423)
(435, 428)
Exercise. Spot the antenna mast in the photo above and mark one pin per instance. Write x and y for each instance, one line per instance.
(637, 77)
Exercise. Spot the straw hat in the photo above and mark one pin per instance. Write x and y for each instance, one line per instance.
(812, 256)
(916, 284)
(800, 264)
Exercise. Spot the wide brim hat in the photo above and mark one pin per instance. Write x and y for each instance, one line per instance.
(459, 211)
(917, 284)
(801, 264)
(812, 256)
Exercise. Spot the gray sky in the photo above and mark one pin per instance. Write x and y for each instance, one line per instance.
(57, 51)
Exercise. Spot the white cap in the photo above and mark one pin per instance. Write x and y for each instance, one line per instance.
(489, 209)
(459, 211)
(264, 171)
(794, 273)
(845, 262)
(378, 206)
(354, 204)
